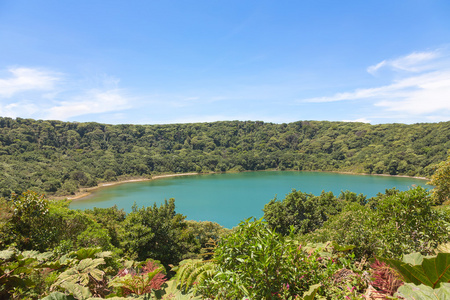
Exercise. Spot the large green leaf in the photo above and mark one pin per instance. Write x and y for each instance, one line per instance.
(172, 292)
(311, 293)
(58, 296)
(431, 272)
(7, 254)
(411, 291)
(413, 258)
(84, 253)
(444, 248)
(78, 291)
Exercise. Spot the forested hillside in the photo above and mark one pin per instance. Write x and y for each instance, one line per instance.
(57, 157)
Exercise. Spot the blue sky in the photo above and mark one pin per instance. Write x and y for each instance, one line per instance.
(160, 62)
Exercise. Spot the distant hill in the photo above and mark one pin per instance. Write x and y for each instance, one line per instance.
(55, 157)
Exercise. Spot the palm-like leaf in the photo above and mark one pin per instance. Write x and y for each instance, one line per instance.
(194, 271)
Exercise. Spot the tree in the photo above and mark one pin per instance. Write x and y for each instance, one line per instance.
(31, 226)
(391, 224)
(256, 262)
(306, 212)
(441, 182)
(155, 232)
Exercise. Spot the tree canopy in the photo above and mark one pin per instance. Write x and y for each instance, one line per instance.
(57, 158)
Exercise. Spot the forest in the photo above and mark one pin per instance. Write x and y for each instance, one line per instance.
(395, 245)
(58, 158)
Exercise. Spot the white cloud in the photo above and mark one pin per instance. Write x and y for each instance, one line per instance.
(94, 101)
(414, 62)
(37, 93)
(26, 79)
(422, 89)
(16, 109)
(361, 120)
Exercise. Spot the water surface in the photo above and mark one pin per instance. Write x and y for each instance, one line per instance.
(232, 197)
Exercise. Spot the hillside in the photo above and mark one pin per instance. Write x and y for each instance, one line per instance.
(57, 157)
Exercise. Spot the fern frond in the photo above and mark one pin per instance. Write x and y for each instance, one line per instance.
(192, 272)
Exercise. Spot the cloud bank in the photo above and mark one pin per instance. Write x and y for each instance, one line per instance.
(420, 86)
(38, 93)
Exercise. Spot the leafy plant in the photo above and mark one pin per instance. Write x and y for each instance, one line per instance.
(305, 212)
(22, 273)
(385, 278)
(441, 181)
(192, 273)
(430, 271)
(410, 291)
(256, 262)
(389, 225)
(83, 277)
(128, 281)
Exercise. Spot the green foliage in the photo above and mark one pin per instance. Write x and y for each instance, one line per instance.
(256, 262)
(430, 271)
(156, 232)
(171, 292)
(111, 219)
(22, 274)
(77, 229)
(31, 227)
(410, 223)
(6, 213)
(82, 278)
(205, 231)
(389, 225)
(192, 273)
(305, 212)
(411, 291)
(34, 222)
(78, 291)
(150, 279)
(58, 158)
(441, 182)
(311, 293)
(58, 296)
(356, 225)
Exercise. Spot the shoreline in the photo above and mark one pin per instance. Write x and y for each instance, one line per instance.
(88, 191)
(85, 192)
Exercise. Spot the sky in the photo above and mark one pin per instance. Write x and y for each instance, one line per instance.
(184, 61)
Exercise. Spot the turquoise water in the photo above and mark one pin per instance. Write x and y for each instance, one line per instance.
(230, 198)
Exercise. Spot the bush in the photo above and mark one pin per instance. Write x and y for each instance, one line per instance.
(256, 262)
(390, 225)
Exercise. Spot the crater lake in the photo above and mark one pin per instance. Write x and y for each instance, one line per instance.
(232, 197)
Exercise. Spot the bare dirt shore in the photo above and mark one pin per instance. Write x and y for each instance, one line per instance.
(87, 191)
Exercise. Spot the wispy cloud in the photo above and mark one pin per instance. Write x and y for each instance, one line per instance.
(421, 86)
(360, 120)
(37, 93)
(414, 62)
(27, 79)
(92, 102)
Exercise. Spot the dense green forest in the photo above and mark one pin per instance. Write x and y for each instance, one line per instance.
(57, 158)
(395, 245)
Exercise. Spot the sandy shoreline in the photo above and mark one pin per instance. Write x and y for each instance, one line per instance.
(87, 191)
